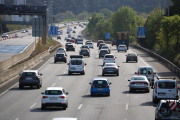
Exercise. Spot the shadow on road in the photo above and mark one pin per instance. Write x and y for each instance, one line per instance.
(135, 92)
(48, 109)
(94, 96)
(150, 103)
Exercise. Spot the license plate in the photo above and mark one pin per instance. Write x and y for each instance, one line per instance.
(53, 98)
(138, 83)
(132, 59)
(100, 89)
(110, 71)
(73, 68)
(59, 57)
(161, 94)
(28, 78)
(84, 52)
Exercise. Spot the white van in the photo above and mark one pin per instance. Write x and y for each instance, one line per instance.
(76, 65)
(80, 36)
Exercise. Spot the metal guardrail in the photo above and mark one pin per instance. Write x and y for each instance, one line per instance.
(164, 61)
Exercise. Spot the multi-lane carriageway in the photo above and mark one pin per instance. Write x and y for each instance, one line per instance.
(25, 104)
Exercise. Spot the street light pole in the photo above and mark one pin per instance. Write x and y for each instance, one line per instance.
(84, 9)
(168, 8)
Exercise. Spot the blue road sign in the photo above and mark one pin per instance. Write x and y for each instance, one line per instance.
(141, 32)
(53, 30)
(107, 35)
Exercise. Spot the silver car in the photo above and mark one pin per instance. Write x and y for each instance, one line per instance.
(122, 48)
(139, 83)
(110, 68)
(168, 110)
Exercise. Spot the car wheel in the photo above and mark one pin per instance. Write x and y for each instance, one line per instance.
(108, 94)
(89, 55)
(38, 86)
(147, 90)
(155, 118)
(112, 44)
(136, 61)
(102, 74)
(65, 61)
(69, 73)
(99, 56)
(103, 64)
(126, 60)
(64, 108)
(54, 61)
(131, 90)
(154, 100)
(43, 107)
(20, 86)
(118, 50)
(118, 74)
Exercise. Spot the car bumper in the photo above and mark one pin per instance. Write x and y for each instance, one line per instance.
(84, 54)
(110, 72)
(105, 91)
(139, 87)
(55, 104)
(29, 84)
(70, 49)
(132, 59)
(58, 60)
(121, 50)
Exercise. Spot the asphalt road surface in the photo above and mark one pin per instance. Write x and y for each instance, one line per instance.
(25, 104)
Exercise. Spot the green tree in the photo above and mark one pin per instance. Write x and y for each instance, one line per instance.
(106, 12)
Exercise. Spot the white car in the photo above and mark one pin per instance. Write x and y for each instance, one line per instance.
(61, 50)
(54, 96)
(139, 83)
(5, 35)
(122, 48)
(90, 45)
(109, 58)
(76, 65)
(23, 31)
(165, 88)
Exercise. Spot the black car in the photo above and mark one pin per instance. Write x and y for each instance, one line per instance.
(74, 31)
(79, 24)
(103, 52)
(101, 44)
(110, 68)
(74, 27)
(84, 52)
(70, 48)
(30, 78)
(60, 57)
(131, 57)
(58, 37)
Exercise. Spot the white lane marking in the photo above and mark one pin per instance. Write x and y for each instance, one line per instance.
(127, 94)
(80, 106)
(126, 106)
(124, 72)
(64, 72)
(17, 119)
(60, 77)
(33, 105)
(53, 84)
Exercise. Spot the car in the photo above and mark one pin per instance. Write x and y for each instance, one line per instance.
(60, 57)
(102, 52)
(100, 41)
(122, 48)
(90, 45)
(54, 96)
(27, 30)
(88, 41)
(106, 47)
(110, 68)
(74, 27)
(68, 32)
(76, 65)
(65, 38)
(72, 40)
(69, 36)
(58, 37)
(79, 41)
(72, 22)
(113, 42)
(165, 88)
(80, 36)
(101, 44)
(23, 31)
(70, 48)
(68, 40)
(167, 110)
(82, 26)
(61, 30)
(5, 35)
(61, 50)
(139, 83)
(148, 72)
(84, 52)
(100, 86)
(109, 58)
(30, 78)
(79, 24)
(16, 35)
(58, 32)
(84, 47)
(131, 57)
(74, 31)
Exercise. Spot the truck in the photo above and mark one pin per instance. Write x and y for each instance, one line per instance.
(122, 38)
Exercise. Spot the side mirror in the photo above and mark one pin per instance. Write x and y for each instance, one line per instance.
(135, 73)
(67, 93)
(19, 74)
(110, 83)
(129, 80)
(90, 83)
(85, 64)
(42, 93)
(67, 63)
(41, 74)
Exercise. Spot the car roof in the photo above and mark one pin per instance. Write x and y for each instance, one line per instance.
(100, 79)
(30, 71)
(59, 53)
(54, 88)
(145, 67)
(166, 80)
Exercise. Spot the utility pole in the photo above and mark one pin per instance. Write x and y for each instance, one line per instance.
(168, 8)
(84, 9)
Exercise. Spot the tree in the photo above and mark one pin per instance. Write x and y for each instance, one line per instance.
(106, 12)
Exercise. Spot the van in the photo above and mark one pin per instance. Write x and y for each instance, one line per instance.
(165, 88)
(148, 72)
(76, 65)
(80, 41)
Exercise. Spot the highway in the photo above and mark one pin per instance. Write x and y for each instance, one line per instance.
(13, 46)
(25, 104)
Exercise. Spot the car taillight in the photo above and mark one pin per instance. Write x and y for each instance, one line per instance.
(88, 52)
(152, 79)
(64, 57)
(107, 86)
(55, 57)
(138, 73)
(92, 85)
(161, 111)
(83, 65)
(153, 74)
(63, 97)
(105, 58)
(156, 89)
(177, 89)
(80, 52)
(135, 56)
(113, 58)
(128, 56)
(133, 83)
(145, 83)
(45, 97)
(22, 76)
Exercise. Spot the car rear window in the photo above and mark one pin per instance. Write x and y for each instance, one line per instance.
(138, 78)
(132, 54)
(121, 46)
(109, 56)
(89, 43)
(84, 46)
(59, 55)
(60, 49)
(103, 51)
(70, 45)
(103, 83)
(76, 62)
(84, 50)
(166, 85)
(28, 74)
(53, 92)
(110, 64)
(146, 71)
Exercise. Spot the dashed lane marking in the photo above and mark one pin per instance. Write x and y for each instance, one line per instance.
(33, 105)
(80, 106)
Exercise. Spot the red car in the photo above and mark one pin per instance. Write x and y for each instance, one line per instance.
(100, 41)
(72, 40)
(113, 42)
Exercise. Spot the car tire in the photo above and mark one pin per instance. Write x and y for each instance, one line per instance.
(154, 100)
(108, 94)
(99, 56)
(69, 73)
(20, 86)
(102, 74)
(54, 61)
(118, 74)
(64, 108)
(38, 86)
(65, 61)
(43, 107)
(103, 64)
(155, 118)
(92, 94)
(126, 60)
(125, 51)
(112, 44)
(131, 90)
(147, 90)
(136, 61)
(89, 55)
(118, 50)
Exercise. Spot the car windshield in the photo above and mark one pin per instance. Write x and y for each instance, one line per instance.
(138, 78)
(60, 55)
(143, 71)
(110, 64)
(28, 74)
(131, 54)
(109, 56)
(166, 85)
(76, 62)
(53, 92)
(103, 83)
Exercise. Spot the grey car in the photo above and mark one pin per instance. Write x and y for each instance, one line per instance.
(168, 110)
(110, 68)
(139, 83)
(102, 52)
(131, 57)
(30, 78)
(84, 52)
(101, 44)
(106, 47)
(58, 37)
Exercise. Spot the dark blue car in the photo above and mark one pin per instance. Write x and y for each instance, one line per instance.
(100, 86)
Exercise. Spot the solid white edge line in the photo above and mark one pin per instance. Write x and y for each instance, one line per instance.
(33, 105)
(64, 72)
(17, 119)
(80, 106)
(126, 106)
(127, 94)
